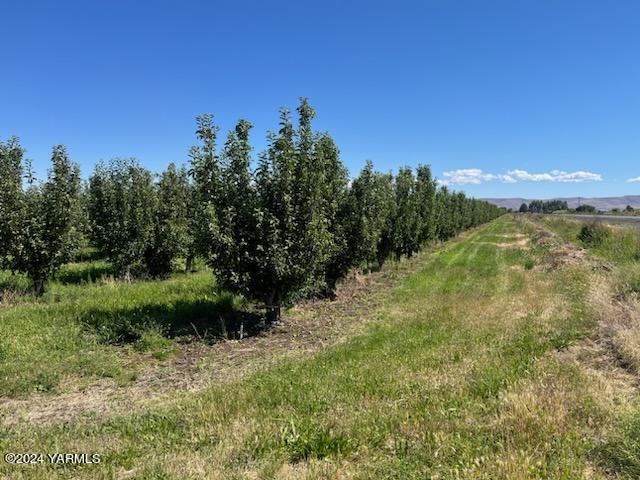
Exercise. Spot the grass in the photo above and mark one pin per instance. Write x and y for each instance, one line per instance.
(620, 245)
(619, 456)
(80, 330)
(458, 377)
(155, 343)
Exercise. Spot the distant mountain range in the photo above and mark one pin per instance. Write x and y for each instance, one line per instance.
(601, 203)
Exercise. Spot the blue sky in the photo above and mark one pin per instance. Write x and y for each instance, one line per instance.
(503, 98)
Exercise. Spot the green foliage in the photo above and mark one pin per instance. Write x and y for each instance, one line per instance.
(406, 225)
(369, 205)
(290, 229)
(155, 343)
(311, 441)
(233, 251)
(170, 238)
(547, 206)
(47, 236)
(594, 234)
(586, 209)
(81, 225)
(444, 208)
(335, 207)
(425, 191)
(11, 171)
(313, 239)
(122, 209)
(524, 208)
(288, 244)
(275, 280)
(205, 190)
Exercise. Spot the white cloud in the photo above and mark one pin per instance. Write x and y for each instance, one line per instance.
(467, 175)
(555, 176)
(507, 178)
(476, 176)
(635, 179)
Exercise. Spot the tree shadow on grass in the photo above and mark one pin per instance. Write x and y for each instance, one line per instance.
(208, 320)
(85, 273)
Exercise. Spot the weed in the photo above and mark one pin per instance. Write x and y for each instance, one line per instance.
(153, 342)
(307, 441)
(594, 234)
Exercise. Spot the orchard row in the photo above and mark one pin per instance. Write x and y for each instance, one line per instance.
(289, 228)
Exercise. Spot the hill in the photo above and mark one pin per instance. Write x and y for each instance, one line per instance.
(601, 203)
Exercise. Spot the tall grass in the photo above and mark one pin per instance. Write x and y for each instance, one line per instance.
(620, 244)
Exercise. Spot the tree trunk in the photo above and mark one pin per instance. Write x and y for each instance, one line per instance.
(273, 308)
(127, 274)
(38, 286)
(331, 289)
(273, 314)
(189, 264)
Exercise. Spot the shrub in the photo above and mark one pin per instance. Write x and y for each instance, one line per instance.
(586, 209)
(593, 234)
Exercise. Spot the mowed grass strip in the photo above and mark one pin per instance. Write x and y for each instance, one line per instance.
(457, 380)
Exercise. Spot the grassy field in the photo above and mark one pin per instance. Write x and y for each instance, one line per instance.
(88, 326)
(486, 361)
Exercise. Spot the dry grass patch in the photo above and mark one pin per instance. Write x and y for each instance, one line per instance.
(618, 321)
